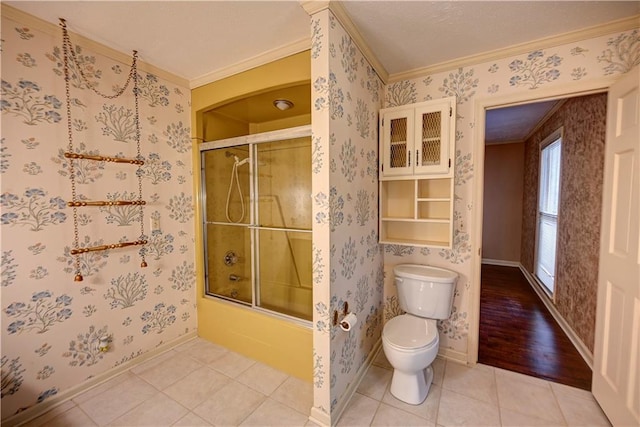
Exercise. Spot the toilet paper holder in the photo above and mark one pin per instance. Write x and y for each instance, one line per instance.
(336, 314)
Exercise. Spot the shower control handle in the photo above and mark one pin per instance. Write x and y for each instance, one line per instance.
(230, 258)
(234, 278)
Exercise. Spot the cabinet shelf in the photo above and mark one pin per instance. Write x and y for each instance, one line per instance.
(433, 199)
(395, 219)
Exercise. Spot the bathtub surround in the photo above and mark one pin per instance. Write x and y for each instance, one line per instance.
(51, 325)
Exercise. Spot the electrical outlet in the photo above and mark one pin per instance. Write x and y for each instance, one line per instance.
(155, 224)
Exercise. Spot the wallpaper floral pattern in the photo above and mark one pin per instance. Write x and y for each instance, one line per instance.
(346, 97)
(540, 68)
(51, 324)
(584, 132)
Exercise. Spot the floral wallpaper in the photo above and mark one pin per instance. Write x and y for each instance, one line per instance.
(51, 324)
(589, 59)
(583, 140)
(346, 98)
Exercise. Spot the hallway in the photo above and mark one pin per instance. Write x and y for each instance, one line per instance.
(518, 333)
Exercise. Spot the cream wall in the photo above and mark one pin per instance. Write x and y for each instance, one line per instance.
(347, 263)
(503, 184)
(51, 324)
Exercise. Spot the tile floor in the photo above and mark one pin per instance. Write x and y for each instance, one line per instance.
(201, 384)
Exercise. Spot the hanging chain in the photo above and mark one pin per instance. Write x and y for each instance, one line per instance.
(139, 172)
(72, 173)
(69, 53)
(130, 77)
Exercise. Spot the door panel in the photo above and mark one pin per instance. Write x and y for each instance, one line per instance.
(616, 372)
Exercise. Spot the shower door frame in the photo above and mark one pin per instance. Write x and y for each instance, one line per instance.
(250, 140)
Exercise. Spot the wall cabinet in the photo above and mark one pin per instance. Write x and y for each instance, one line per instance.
(417, 148)
(418, 139)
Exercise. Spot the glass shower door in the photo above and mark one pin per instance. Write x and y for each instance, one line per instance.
(226, 184)
(283, 212)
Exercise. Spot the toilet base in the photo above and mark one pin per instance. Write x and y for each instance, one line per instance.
(412, 387)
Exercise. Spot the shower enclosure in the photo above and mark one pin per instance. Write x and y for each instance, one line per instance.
(257, 221)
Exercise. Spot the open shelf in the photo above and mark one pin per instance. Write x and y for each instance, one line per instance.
(417, 212)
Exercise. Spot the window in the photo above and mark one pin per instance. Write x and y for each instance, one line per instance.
(548, 201)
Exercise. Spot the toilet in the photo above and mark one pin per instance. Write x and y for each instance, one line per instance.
(410, 341)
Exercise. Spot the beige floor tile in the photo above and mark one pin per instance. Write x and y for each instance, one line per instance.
(359, 412)
(230, 405)
(375, 382)
(528, 397)
(159, 410)
(50, 414)
(150, 363)
(203, 351)
(459, 410)
(565, 389)
(232, 364)
(101, 388)
(191, 420)
(118, 400)
(503, 373)
(272, 413)
(73, 417)
(262, 378)
(387, 415)
(381, 360)
(427, 409)
(193, 389)
(296, 394)
(477, 382)
(579, 411)
(511, 418)
(170, 370)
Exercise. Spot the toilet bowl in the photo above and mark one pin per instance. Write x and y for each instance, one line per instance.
(410, 341)
(411, 344)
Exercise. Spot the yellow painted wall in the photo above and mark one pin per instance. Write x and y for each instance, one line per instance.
(282, 344)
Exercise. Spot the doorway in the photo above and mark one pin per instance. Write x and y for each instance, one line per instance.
(522, 264)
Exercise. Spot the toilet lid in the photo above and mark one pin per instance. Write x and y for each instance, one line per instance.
(409, 332)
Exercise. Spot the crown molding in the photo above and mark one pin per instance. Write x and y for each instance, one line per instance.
(256, 61)
(617, 26)
(36, 23)
(314, 6)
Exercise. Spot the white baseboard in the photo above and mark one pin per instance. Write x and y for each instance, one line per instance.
(60, 398)
(453, 355)
(573, 337)
(320, 417)
(500, 262)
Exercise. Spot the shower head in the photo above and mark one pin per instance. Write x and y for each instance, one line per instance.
(241, 162)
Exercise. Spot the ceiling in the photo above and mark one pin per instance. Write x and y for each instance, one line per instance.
(197, 40)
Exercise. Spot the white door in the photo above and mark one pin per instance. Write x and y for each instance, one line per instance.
(616, 368)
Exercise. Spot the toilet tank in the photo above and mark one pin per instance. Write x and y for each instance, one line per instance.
(425, 291)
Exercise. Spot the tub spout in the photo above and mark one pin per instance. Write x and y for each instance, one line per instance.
(234, 278)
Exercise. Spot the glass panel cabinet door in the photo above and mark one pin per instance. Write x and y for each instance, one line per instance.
(397, 144)
(433, 138)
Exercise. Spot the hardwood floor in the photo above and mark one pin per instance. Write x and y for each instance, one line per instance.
(518, 333)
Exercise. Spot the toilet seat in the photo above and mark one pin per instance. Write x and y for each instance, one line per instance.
(410, 333)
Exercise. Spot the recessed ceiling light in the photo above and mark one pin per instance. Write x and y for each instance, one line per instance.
(282, 104)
